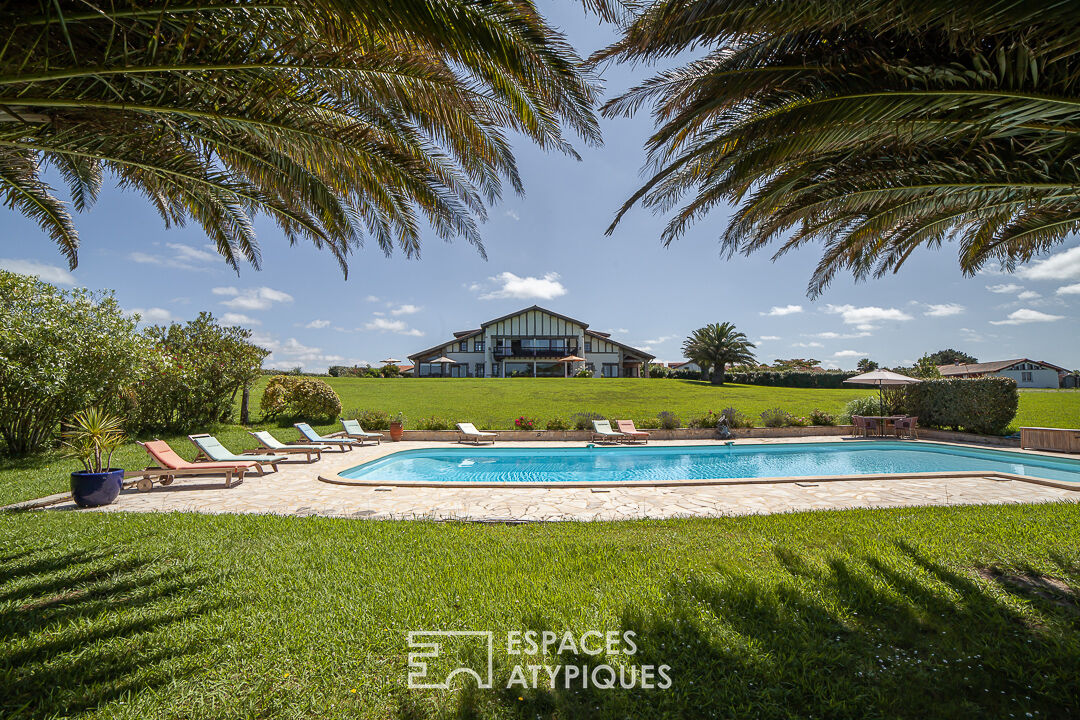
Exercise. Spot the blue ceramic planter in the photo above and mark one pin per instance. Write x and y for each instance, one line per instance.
(96, 489)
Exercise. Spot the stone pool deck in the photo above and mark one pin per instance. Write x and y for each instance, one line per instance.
(296, 490)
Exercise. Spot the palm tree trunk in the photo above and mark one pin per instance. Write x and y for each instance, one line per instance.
(716, 375)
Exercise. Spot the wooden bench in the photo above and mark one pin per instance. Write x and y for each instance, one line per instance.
(1055, 439)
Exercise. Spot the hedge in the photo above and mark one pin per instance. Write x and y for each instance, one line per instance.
(794, 378)
(980, 405)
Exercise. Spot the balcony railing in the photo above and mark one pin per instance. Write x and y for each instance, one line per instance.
(516, 350)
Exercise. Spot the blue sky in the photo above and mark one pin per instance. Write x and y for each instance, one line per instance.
(548, 248)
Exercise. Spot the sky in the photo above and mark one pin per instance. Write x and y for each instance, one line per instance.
(549, 248)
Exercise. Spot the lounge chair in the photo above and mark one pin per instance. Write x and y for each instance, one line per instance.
(602, 432)
(343, 444)
(907, 427)
(626, 427)
(270, 442)
(468, 431)
(211, 450)
(171, 466)
(354, 431)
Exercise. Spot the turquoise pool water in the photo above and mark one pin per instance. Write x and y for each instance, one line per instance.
(659, 464)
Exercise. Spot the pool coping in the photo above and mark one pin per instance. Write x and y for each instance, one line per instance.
(337, 479)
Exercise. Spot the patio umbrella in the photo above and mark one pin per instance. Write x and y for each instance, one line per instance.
(444, 361)
(567, 360)
(390, 361)
(881, 378)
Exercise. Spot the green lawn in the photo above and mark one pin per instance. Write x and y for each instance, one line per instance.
(905, 613)
(493, 404)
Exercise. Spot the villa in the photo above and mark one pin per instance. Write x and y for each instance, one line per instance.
(1027, 373)
(533, 342)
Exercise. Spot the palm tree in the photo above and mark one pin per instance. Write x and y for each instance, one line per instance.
(716, 346)
(873, 126)
(338, 119)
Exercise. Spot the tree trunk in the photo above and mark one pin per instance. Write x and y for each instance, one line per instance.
(244, 406)
(716, 376)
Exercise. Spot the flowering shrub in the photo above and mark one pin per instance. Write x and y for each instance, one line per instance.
(820, 417)
(583, 373)
(398, 418)
(557, 424)
(583, 420)
(668, 420)
(300, 397)
(524, 423)
(434, 423)
(736, 419)
(709, 419)
(372, 419)
(776, 418)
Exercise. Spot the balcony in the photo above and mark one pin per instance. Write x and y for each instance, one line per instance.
(516, 350)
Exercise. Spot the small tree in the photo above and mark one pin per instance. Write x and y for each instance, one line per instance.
(60, 352)
(950, 356)
(795, 364)
(716, 346)
(866, 365)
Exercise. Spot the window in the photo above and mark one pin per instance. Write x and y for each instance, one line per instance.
(478, 346)
(1025, 377)
(609, 370)
(479, 369)
(463, 346)
(588, 346)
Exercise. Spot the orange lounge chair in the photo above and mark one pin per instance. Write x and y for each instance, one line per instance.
(626, 427)
(171, 466)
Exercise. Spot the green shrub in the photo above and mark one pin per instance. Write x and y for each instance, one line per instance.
(60, 352)
(583, 373)
(557, 424)
(668, 420)
(583, 420)
(372, 419)
(867, 405)
(299, 397)
(829, 379)
(736, 419)
(524, 422)
(776, 417)
(433, 423)
(820, 417)
(649, 423)
(706, 420)
(390, 371)
(980, 405)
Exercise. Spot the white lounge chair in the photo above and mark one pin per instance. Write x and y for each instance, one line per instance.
(343, 444)
(353, 430)
(270, 442)
(468, 431)
(602, 432)
(211, 450)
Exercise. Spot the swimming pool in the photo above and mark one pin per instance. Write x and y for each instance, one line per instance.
(658, 464)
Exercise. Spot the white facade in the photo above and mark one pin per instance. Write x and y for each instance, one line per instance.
(529, 343)
(1027, 373)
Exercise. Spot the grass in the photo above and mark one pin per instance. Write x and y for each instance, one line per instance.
(902, 613)
(493, 404)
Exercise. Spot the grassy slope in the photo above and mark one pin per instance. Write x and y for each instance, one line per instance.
(854, 614)
(494, 404)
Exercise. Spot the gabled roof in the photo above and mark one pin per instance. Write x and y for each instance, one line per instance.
(989, 367)
(466, 333)
(535, 307)
(607, 338)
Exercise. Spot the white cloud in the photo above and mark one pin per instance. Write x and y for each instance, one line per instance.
(512, 214)
(839, 336)
(406, 310)
(778, 311)
(768, 338)
(1062, 266)
(318, 324)
(864, 317)
(394, 326)
(807, 345)
(944, 310)
(292, 352)
(49, 273)
(153, 316)
(1069, 289)
(1005, 288)
(231, 318)
(260, 298)
(509, 285)
(372, 298)
(849, 354)
(182, 257)
(1028, 295)
(648, 345)
(1024, 316)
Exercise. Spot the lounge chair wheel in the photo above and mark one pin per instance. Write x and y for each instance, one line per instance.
(144, 484)
(167, 480)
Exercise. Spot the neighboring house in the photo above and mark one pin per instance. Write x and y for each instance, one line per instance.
(405, 369)
(687, 365)
(1027, 373)
(529, 343)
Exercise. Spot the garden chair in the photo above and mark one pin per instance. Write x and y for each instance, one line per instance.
(468, 431)
(627, 428)
(354, 431)
(907, 427)
(171, 466)
(270, 442)
(602, 432)
(863, 426)
(343, 444)
(211, 450)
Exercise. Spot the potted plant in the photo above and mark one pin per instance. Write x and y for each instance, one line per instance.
(92, 437)
(397, 426)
